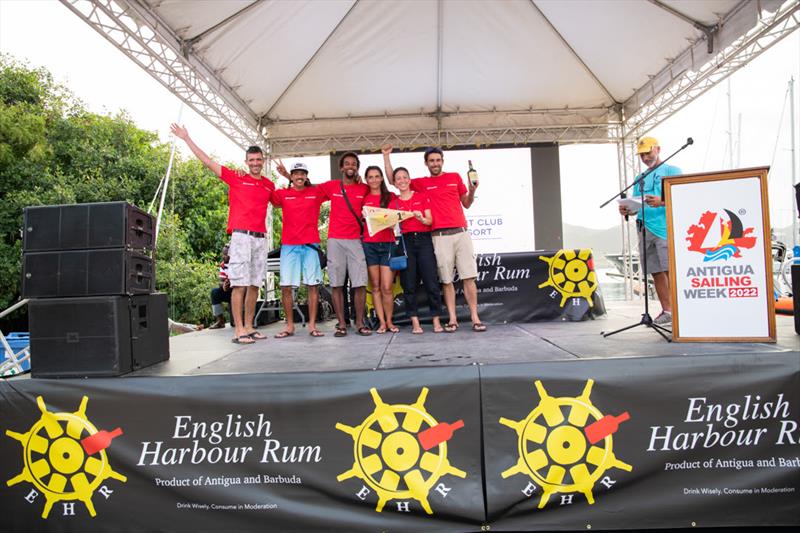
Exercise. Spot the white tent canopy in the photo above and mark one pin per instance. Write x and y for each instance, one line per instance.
(315, 76)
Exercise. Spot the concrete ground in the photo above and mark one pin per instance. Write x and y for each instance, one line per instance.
(212, 352)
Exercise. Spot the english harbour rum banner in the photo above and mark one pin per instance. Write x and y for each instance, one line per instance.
(643, 443)
(523, 287)
(622, 443)
(291, 452)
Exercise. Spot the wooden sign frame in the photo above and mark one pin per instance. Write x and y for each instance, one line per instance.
(676, 237)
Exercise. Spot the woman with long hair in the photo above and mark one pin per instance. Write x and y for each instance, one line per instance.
(419, 248)
(378, 250)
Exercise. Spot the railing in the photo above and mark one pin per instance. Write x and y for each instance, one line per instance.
(12, 364)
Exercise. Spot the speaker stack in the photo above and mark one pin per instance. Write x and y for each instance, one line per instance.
(90, 274)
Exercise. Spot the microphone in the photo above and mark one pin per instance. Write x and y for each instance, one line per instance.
(689, 141)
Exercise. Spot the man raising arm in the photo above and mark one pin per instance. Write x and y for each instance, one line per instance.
(248, 198)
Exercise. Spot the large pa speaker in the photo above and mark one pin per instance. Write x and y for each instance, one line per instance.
(86, 273)
(796, 296)
(86, 226)
(97, 336)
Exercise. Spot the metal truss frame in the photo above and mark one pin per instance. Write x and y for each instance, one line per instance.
(140, 35)
(685, 83)
(568, 134)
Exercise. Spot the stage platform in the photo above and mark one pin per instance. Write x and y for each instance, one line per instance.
(212, 352)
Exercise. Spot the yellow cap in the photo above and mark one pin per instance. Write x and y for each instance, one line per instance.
(646, 144)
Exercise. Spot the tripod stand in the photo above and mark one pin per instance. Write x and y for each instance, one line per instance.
(646, 319)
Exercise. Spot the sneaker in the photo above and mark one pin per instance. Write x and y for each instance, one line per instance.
(663, 319)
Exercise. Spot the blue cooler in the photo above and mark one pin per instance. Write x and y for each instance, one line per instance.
(18, 341)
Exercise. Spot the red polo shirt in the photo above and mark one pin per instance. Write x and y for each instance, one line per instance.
(300, 214)
(419, 201)
(444, 192)
(248, 199)
(343, 224)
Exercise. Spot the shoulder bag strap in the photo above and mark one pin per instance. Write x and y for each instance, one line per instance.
(350, 206)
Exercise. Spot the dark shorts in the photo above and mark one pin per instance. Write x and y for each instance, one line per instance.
(378, 253)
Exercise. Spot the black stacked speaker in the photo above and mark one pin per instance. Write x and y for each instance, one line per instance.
(90, 274)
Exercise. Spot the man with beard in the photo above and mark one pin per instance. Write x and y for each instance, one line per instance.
(345, 252)
(452, 243)
(248, 199)
(653, 233)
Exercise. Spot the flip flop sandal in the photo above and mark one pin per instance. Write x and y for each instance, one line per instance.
(420, 331)
(394, 329)
(284, 334)
(364, 331)
(256, 336)
(316, 333)
(241, 339)
(478, 327)
(340, 332)
(450, 328)
(380, 331)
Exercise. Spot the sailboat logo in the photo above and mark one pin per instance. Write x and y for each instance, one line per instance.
(719, 236)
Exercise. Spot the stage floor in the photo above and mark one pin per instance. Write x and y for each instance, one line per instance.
(212, 352)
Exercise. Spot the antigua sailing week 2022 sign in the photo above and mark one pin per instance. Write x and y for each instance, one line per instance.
(720, 264)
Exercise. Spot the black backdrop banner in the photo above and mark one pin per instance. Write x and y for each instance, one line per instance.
(679, 442)
(640, 443)
(291, 452)
(523, 287)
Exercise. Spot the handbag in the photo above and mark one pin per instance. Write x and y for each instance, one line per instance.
(323, 259)
(399, 262)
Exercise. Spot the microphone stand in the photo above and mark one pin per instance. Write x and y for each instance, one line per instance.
(646, 319)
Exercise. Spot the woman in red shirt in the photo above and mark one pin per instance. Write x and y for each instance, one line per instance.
(377, 250)
(419, 247)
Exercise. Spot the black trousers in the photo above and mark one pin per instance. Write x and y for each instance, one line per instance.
(421, 264)
(218, 296)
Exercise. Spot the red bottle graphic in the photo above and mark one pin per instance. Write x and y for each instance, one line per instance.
(435, 435)
(604, 427)
(99, 441)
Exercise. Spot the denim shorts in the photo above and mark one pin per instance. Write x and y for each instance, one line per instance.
(378, 253)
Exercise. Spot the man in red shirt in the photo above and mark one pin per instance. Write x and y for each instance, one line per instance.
(299, 244)
(248, 199)
(345, 252)
(451, 241)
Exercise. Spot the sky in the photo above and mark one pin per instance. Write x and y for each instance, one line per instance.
(46, 33)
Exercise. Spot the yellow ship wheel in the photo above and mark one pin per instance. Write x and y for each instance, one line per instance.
(571, 274)
(389, 458)
(55, 462)
(553, 450)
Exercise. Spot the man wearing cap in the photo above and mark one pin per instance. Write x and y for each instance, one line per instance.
(299, 244)
(653, 234)
(248, 200)
(452, 243)
(345, 252)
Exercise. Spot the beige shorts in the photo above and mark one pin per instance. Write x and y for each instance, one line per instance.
(248, 257)
(455, 252)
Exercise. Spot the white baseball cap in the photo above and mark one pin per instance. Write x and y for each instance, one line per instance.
(299, 166)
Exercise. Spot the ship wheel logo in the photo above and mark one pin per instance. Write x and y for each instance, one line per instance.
(565, 444)
(400, 451)
(65, 457)
(571, 274)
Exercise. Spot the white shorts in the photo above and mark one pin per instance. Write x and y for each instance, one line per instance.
(248, 257)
